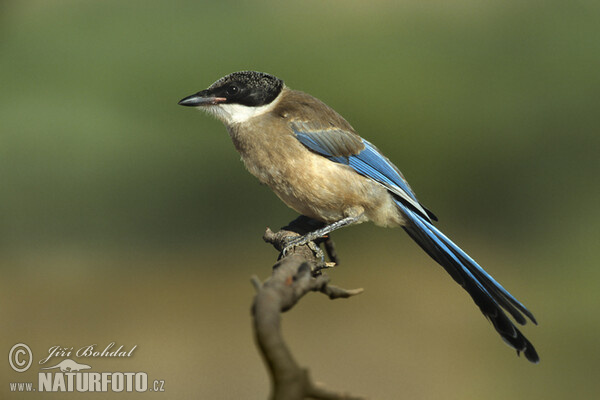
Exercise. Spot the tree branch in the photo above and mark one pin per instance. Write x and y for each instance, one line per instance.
(293, 276)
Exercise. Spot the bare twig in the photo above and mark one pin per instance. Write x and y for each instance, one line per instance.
(293, 276)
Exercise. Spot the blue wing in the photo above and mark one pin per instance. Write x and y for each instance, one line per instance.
(345, 147)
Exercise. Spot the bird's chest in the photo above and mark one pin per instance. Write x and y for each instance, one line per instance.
(307, 182)
(273, 158)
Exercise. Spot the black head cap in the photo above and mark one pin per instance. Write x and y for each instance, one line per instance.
(249, 88)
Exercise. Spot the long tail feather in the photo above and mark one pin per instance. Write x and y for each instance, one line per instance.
(488, 294)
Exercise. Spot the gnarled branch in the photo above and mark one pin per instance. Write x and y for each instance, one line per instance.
(293, 276)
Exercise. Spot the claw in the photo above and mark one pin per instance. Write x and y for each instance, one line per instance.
(291, 242)
(295, 241)
(317, 251)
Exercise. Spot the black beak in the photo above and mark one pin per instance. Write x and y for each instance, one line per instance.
(201, 99)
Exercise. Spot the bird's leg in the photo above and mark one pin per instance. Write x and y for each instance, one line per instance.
(310, 236)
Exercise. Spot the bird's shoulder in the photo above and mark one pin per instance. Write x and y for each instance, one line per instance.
(317, 125)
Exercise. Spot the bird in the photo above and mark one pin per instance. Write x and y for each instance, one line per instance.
(317, 164)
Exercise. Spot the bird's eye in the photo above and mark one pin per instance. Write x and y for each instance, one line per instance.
(231, 90)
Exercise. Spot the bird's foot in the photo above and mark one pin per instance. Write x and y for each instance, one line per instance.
(296, 241)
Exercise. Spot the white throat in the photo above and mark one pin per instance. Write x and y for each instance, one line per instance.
(239, 113)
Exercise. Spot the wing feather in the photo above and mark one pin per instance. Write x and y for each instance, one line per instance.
(346, 147)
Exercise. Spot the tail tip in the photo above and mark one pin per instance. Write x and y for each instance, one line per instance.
(530, 354)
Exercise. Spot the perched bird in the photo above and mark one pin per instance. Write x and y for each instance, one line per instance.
(318, 165)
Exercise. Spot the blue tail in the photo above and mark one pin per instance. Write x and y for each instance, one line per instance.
(488, 294)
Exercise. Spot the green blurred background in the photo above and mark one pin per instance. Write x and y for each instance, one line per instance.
(127, 218)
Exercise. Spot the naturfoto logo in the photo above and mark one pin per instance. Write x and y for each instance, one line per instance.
(68, 375)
